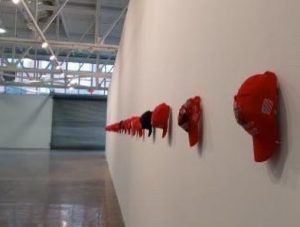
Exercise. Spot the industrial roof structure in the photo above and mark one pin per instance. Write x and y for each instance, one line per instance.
(59, 45)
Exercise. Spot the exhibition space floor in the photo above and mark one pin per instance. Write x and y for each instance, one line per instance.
(42, 188)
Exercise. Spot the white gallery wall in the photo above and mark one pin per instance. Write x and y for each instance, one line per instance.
(172, 50)
(25, 121)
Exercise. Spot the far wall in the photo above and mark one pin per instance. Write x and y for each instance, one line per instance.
(25, 121)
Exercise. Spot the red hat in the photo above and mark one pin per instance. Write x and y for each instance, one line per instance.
(121, 126)
(160, 117)
(145, 120)
(255, 108)
(189, 118)
(127, 125)
(136, 126)
(112, 127)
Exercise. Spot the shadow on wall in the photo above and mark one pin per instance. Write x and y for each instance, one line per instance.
(170, 128)
(201, 128)
(153, 135)
(279, 171)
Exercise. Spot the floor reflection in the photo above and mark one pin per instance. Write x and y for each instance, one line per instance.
(56, 189)
(41, 215)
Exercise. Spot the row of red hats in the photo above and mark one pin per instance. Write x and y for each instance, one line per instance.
(129, 126)
(255, 108)
(189, 118)
(158, 118)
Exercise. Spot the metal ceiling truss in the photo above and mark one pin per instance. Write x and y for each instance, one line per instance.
(45, 77)
(98, 53)
(76, 46)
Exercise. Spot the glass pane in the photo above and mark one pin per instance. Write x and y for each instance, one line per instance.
(86, 67)
(44, 64)
(73, 66)
(28, 63)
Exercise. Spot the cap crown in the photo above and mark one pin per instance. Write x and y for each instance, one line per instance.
(189, 118)
(255, 103)
(255, 109)
(160, 117)
(146, 121)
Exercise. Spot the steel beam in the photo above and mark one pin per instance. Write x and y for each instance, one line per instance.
(87, 30)
(63, 20)
(62, 59)
(42, 85)
(61, 44)
(54, 15)
(81, 38)
(111, 28)
(45, 71)
(37, 27)
(97, 21)
(71, 7)
(16, 21)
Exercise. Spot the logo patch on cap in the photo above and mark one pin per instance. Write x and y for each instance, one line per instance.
(267, 106)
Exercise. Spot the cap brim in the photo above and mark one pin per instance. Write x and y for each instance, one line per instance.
(266, 144)
(263, 149)
(193, 136)
(165, 130)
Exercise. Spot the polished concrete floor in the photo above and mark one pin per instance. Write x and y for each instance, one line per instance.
(40, 188)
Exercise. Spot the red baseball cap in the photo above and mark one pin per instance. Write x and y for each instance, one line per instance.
(160, 117)
(136, 126)
(121, 126)
(112, 127)
(189, 118)
(127, 125)
(255, 108)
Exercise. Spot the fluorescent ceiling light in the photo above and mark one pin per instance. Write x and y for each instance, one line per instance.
(45, 45)
(58, 67)
(64, 223)
(2, 30)
(52, 57)
(16, 1)
(35, 81)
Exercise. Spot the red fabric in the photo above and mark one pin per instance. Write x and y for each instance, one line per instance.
(255, 108)
(160, 117)
(121, 127)
(136, 127)
(112, 128)
(127, 125)
(190, 119)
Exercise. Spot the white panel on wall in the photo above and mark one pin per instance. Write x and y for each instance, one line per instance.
(25, 121)
(172, 50)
